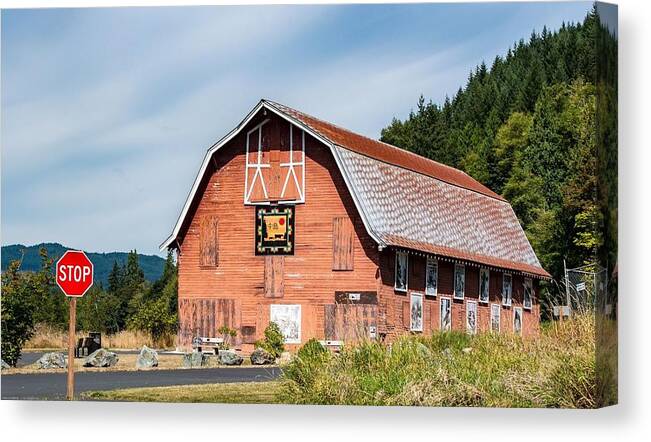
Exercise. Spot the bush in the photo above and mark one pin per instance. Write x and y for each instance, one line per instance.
(227, 334)
(555, 370)
(154, 317)
(274, 341)
(21, 293)
(304, 368)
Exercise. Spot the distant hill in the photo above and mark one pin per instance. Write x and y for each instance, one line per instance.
(152, 265)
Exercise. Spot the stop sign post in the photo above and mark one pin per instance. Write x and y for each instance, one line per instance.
(74, 276)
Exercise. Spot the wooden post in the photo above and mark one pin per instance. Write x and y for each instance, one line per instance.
(71, 349)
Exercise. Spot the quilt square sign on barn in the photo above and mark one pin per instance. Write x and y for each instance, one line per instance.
(274, 230)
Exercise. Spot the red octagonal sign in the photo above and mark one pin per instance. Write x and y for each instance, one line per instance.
(74, 273)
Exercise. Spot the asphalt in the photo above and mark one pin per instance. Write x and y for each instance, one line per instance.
(52, 386)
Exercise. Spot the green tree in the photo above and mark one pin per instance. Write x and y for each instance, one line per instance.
(21, 293)
(274, 341)
(154, 317)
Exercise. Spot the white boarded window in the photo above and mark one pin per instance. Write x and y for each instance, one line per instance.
(471, 317)
(416, 312)
(431, 277)
(288, 319)
(495, 318)
(528, 293)
(402, 263)
(459, 281)
(484, 285)
(445, 313)
(517, 320)
(507, 289)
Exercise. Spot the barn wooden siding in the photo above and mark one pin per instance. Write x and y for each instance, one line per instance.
(333, 256)
(305, 278)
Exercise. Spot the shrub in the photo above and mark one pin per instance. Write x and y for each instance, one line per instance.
(274, 341)
(21, 294)
(227, 334)
(154, 317)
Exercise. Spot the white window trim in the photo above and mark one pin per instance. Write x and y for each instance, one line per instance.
(436, 264)
(476, 316)
(481, 301)
(530, 281)
(422, 317)
(463, 294)
(515, 309)
(504, 298)
(440, 317)
(499, 318)
(395, 273)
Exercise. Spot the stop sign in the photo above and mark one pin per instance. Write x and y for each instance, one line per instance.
(74, 273)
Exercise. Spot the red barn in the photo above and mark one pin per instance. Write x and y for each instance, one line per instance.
(338, 237)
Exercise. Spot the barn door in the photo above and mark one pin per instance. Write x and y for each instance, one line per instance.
(204, 316)
(350, 322)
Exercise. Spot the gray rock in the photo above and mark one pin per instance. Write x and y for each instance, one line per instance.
(4, 364)
(147, 358)
(52, 360)
(230, 358)
(467, 350)
(194, 360)
(101, 358)
(261, 357)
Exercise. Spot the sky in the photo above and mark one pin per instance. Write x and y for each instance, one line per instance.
(107, 112)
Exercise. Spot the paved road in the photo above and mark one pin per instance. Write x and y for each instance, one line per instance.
(53, 385)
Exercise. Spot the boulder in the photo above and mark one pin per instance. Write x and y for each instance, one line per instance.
(101, 358)
(261, 356)
(147, 358)
(285, 358)
(52, 360)
(194, 360)
(4, 364)
(227, 357)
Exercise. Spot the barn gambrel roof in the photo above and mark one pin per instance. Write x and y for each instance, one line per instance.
(408, 201)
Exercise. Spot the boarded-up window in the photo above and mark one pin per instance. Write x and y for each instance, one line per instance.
(202, 317)
(342, 244)
(273, 276)
(208, 242)
(350, 322)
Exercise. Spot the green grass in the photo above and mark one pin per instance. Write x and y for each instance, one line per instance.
(555, 370)
(234, 393)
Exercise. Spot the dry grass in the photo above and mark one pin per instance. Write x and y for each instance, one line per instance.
(556, 369)
(235, 393)
(46, 337)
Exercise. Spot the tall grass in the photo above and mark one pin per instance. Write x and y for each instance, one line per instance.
(50, 337)
(555, 370)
